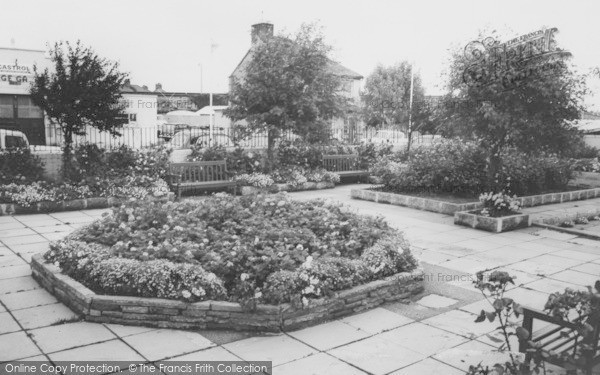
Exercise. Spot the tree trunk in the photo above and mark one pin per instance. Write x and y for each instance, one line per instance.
(67, 168)
(409, 137)
(271, 137)
(494, 168)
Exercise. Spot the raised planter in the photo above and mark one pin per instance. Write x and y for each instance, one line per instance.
(491, 224)
(413, 202)
(450, 208)
(249, 190)
(165, 313)
(71, 205)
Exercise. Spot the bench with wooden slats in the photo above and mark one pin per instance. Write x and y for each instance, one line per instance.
(199, 175)
(559, 336)
(344, 165)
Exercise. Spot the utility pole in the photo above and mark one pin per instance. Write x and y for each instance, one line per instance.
(410, 105)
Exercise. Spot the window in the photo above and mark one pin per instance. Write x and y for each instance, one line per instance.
(6, 106)
(15, 141)
(26, 108)
(133, 117)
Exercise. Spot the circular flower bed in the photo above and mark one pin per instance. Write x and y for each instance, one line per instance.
(249, 249)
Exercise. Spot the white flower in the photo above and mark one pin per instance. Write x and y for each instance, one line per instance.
(258, 294)
(244, 276)
(186, 294)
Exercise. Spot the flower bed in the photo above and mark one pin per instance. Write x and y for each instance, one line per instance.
(276, 188)
(250, 251)
(164, 313)
(449, 208)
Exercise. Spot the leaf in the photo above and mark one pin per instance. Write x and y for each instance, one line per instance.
(522, 333)
(498, 304)
(481, 317)
(491, 316)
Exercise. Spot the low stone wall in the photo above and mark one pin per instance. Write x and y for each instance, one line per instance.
(492, 224)
(249, 190)
(413, 202)
(165, 313)
(450, 208)
(72, 205)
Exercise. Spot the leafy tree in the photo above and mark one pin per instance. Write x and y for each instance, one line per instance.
(83, 90)
(506, 97)
(386, 99)
(287, 85)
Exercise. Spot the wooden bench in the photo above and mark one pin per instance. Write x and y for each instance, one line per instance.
(344, 165)
(559, 337)
(199, 175)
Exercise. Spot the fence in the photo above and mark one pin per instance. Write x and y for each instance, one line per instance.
(183, 137)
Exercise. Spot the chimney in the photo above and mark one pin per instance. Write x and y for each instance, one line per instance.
(158, 87)
(127, 82)
(261, 31)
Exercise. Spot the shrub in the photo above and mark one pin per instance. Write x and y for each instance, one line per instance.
(523, 174)
(455, 166)
(247, 242)
(451, 166)
(370, 153)
(19, 165)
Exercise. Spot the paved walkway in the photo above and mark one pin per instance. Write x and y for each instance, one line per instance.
(434, 335)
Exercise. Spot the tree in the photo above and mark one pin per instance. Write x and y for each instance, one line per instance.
(287, 85)
(83, 90)
(521, 95)
(386, 100)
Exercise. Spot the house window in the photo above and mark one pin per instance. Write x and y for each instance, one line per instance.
(26, 108)
(133, 117)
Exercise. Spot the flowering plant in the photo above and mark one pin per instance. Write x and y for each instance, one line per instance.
(499, 204)
(258, 180)
(265, 248)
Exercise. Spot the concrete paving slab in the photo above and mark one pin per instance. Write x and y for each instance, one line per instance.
(13, 271)
(317, 364)
(329, 335)
(66, 336)
(461, 323)
(18, 284)
(435, 301)
(589, 268)
(17, 345)
(428, 366)
(376, 355)
(377, 320)
(471, 353)
(165, 343)
(43, 316)
(114, 350)
(279, 349)
(8, 324)
(575, 277)
(27, 299)
(423, 339)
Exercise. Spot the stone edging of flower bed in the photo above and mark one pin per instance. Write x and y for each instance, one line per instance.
(249, 190)
(491, 224)
(576, 232)
(166, 313)
(71, 205)
(450, 208)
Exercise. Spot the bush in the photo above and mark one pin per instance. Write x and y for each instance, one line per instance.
(529, 174)
(451, 166)
(239, 161)
(455, 166)
(370, 153)
(19, 165)
(247, 242)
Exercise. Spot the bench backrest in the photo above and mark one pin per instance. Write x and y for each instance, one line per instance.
(340, 163)
(201, 171)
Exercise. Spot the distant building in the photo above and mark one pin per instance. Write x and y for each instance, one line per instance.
(17, 110)
(350, 87)
(169, 101)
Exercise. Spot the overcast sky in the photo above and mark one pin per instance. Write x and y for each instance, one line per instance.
(169, 41)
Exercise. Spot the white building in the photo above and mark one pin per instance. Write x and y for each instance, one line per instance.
(17, 111)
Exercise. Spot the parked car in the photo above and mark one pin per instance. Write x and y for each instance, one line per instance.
(16, 139)
(186, 138)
